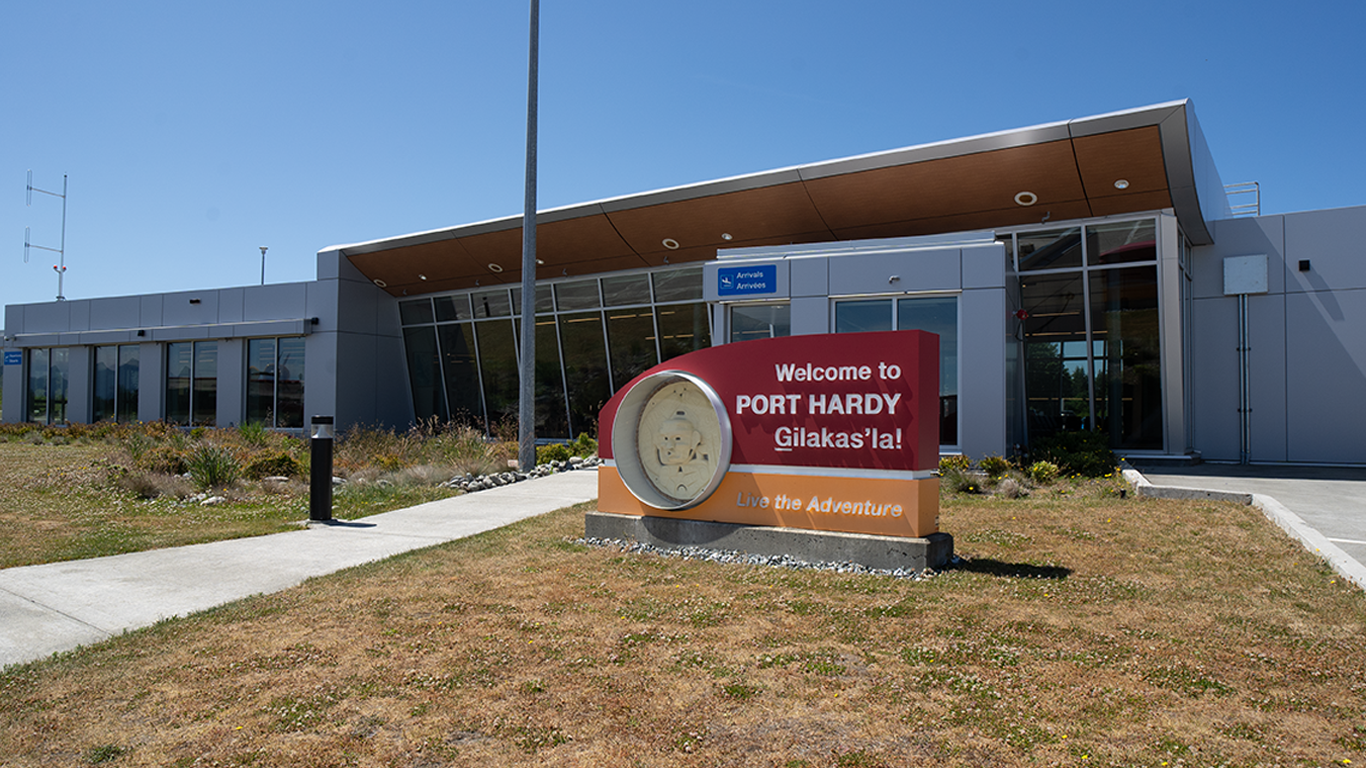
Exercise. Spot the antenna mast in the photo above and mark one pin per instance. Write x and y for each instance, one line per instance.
(60, 267)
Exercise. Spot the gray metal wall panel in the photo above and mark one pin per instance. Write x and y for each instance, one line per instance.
(232, 306)
(79, 319)
(1214, 359)
(275, 302)
(120, 312)
(321, 302)
(13, 406)
(1238, 237)
(982, 374)
(357, 308)
(150, 314)
(320, 378)
(810, 277)
(52, 317)
(810, 314)
(914, 270)
(984, 267)
(232, 377)
(14, 319)
(1326, 372)
(151, 381)
(1331, 241)
(176, 308)
(1267, 378)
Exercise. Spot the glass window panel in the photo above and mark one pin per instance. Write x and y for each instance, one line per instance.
(261, 381)
(289, 383)
(552, 421)
(585, 363)
(491, 303)
(938, 314)
(424, 373)
(545, 303)
(37, 385)
(625, 289)
(498, 369)
(760, 321)
(179, 364)
(579, 294)
(683, 328)
(127, 406)
(1056, 393)
(449, 308)
(1051, 249)
(415, 312)
(631, 341)
(1129, 372)
(105, 394)
(678, 285)
(204, 400)
(1121, 242)
(462, 374)
(864, 315)
(58, 379)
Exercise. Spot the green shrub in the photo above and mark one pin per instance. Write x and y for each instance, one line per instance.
(553, 452)
(1043, 472)
(273, 464)
(164, 459)
(584, 446)
(1078, 453)
(253, 433)
(212, 466)
(955, 462)
(959, 480)
(994, 466)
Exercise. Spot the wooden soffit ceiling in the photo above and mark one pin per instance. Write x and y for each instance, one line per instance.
(1112, 164)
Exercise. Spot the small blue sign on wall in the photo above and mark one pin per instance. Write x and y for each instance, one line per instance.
(14, 357)
(746, 281)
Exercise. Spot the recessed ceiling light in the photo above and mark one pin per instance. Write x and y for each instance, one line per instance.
(421, 277)
(381, 283)
(540, 263)
(1026, 198)
(671, 243)
(494, 267)
(1122, 184)
(725, 236)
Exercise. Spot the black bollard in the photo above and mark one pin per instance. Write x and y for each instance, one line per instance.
(320, 470)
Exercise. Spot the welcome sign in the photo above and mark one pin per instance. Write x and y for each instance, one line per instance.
(825, 432)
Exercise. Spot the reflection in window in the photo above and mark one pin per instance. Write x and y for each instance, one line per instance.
(631, 341)
(115, 396)
(491, 303)
(760, 321)
(683, 328)
(585, 369)
(1052, 249)
(450, 308)
(938, 314)
(678, 285)
(192, 383)
(625, 290)
(462, 373)
(865, 315)
(580, 294)
(1124, 326)
(498, 369)
(424, 373)
(39, 370)
(415, 311)
(551, 419)
(275, 382)
(1056, 382)
(1122, 242)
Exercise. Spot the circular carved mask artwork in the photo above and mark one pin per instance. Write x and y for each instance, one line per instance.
(679, 446)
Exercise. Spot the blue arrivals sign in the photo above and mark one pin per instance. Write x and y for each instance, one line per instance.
(745, 281)
(14, 357)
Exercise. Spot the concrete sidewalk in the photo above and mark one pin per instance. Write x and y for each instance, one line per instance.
(45, 609)
(1324, 508)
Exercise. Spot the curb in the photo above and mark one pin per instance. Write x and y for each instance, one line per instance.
(1293, 525)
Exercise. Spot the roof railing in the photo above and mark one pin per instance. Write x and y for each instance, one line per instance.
(1238, 201)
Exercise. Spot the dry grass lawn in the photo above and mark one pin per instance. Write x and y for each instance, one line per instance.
(1083, 629)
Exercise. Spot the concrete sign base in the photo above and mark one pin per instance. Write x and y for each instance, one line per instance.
(885, 552)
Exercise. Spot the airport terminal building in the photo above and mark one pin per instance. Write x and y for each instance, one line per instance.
(1082, 275)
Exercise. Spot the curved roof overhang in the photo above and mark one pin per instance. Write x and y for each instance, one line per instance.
(1068, 169)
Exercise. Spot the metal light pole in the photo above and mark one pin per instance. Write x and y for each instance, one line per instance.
(526, 411)
(264, 248)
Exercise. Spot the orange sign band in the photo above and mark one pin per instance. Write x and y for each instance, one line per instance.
(879, 506)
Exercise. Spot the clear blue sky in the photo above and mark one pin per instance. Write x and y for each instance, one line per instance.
(194, 133)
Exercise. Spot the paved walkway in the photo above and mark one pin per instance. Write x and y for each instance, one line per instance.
(1324, 508)
(45, 609)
